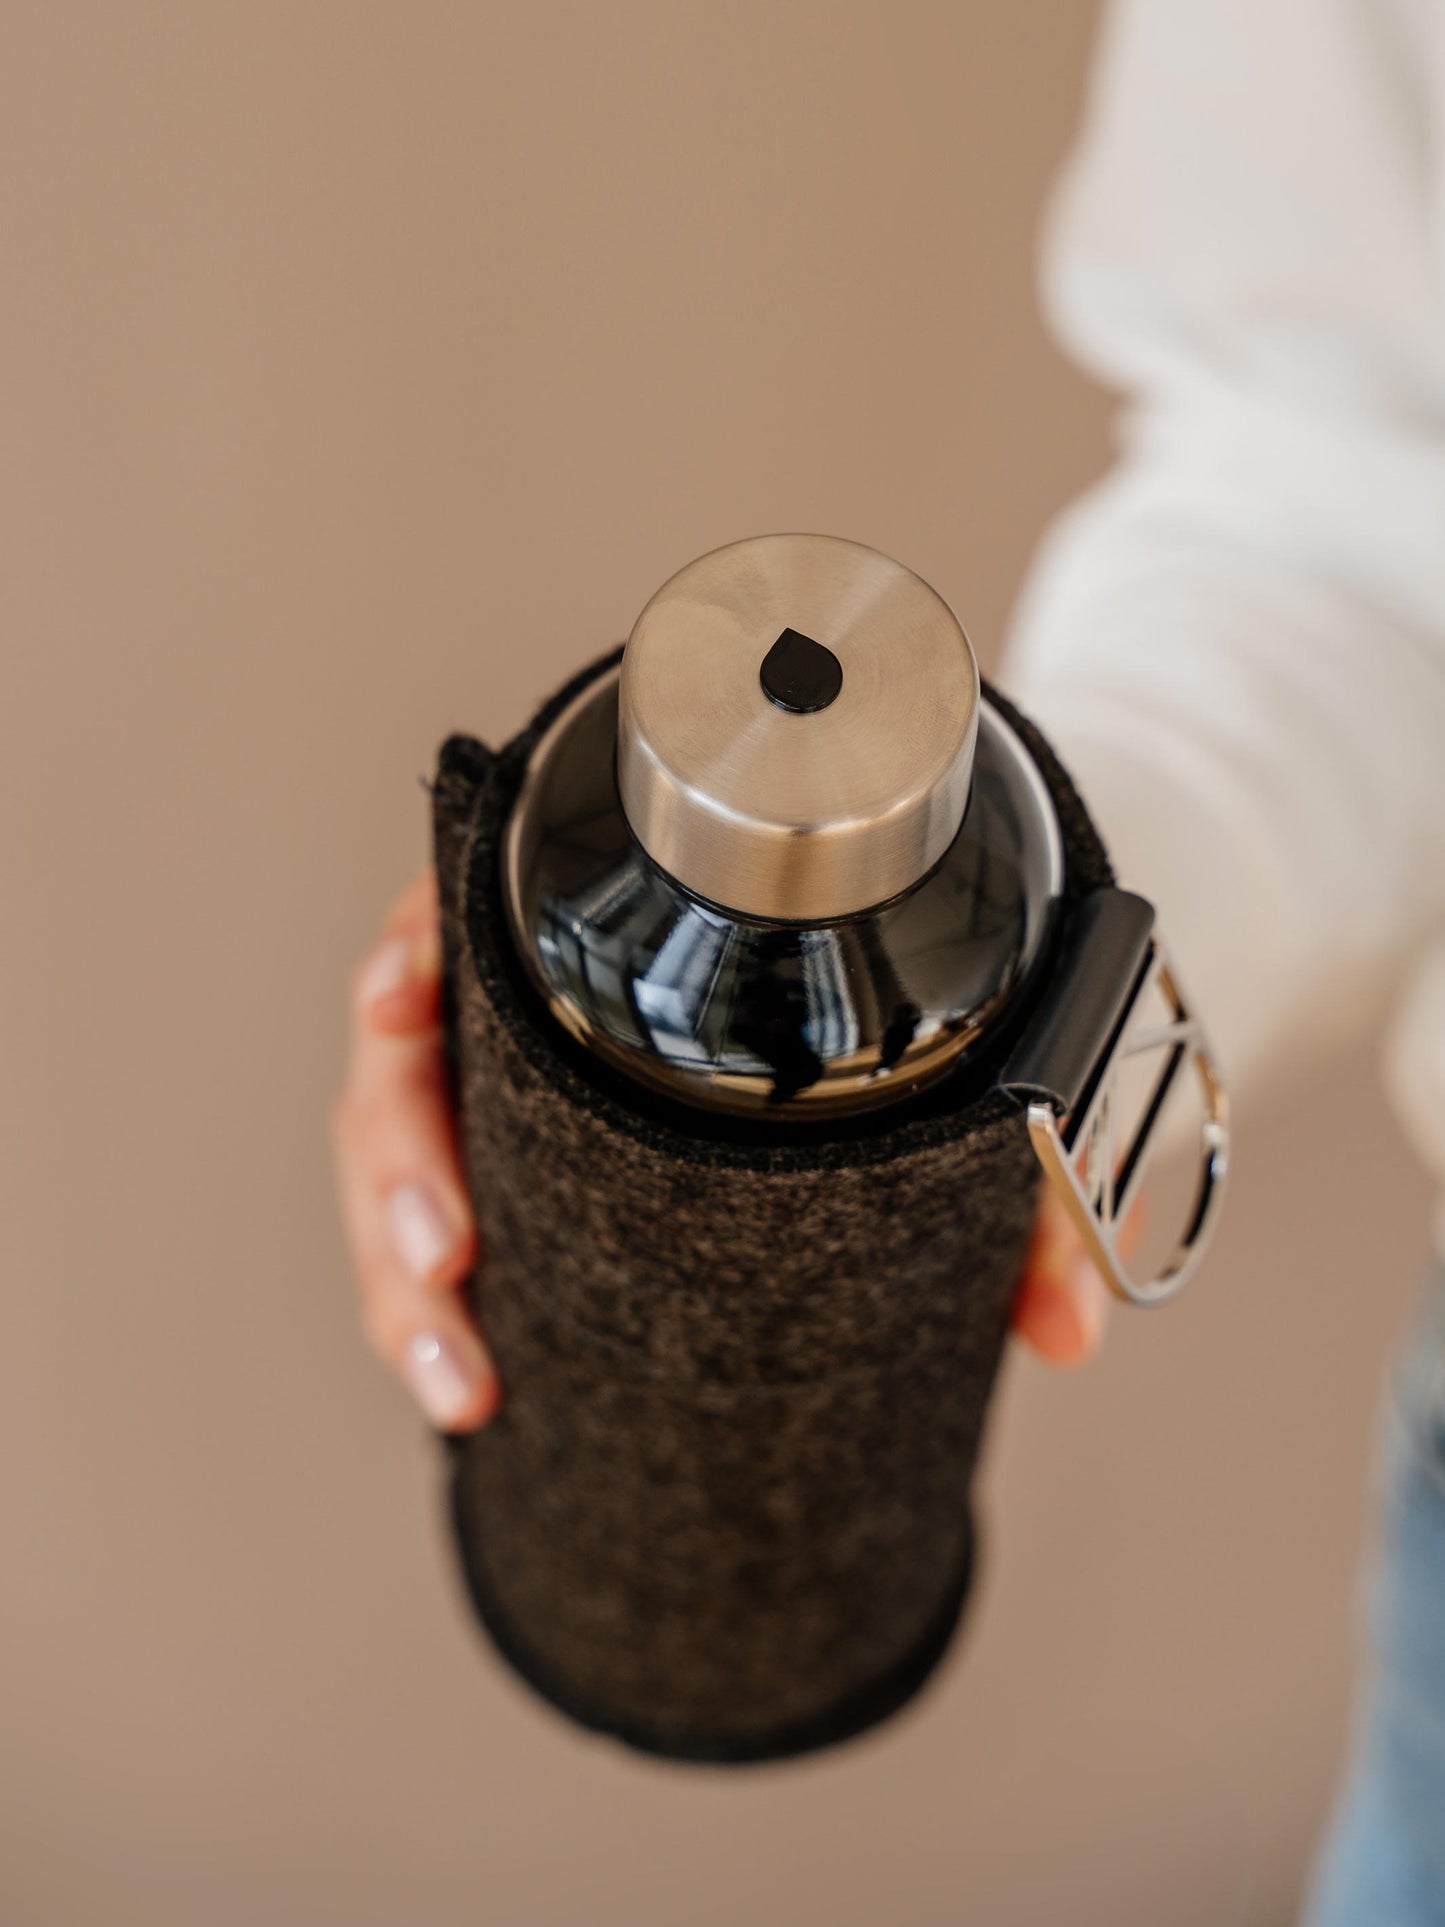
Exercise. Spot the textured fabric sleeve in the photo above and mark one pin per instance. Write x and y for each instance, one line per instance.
(1238, 638)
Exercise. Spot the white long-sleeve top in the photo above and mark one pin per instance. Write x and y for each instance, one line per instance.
(1237, 639)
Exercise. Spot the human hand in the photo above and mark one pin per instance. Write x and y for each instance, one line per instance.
(404, 1201)
(409, 1222)
(1062, 1305)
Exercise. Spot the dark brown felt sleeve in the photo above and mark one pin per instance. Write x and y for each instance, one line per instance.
(723, 1513)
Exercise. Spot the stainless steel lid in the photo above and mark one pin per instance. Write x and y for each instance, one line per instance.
(796, 727)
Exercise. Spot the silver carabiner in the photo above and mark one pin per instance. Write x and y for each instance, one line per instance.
(1099, 1195)
(1067, 1073)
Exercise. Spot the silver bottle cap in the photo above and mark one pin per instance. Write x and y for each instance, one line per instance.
(796, 727)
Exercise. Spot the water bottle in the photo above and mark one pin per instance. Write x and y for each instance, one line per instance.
(782, 965)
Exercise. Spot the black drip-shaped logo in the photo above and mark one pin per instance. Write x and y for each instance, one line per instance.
(799, 674)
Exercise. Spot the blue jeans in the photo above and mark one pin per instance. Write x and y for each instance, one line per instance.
(1383, 1864)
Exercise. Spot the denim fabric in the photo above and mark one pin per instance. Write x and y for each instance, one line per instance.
(1383, 1864)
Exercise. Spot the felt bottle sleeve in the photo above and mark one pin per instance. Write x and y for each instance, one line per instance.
(723, 1513)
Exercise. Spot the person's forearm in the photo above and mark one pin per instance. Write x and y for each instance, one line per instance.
(1238, 640)
(1262, 749)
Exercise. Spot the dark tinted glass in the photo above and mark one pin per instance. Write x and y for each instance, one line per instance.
(785, 1019)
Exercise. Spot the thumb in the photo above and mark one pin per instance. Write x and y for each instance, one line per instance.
(1062, 1305)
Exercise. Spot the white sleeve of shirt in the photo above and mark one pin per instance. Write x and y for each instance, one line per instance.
(1237, 640)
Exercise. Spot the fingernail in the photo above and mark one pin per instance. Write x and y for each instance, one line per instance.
(420, 1231)
(389, 967)
(439, 1376)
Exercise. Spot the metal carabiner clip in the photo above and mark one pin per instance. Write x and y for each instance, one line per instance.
(1066, 1071)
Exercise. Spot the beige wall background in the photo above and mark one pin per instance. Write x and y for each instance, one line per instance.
(365, 367)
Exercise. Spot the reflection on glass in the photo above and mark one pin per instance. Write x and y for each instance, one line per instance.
(739, 1015)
